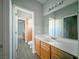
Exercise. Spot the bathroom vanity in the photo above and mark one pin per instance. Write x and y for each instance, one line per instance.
(49, 49)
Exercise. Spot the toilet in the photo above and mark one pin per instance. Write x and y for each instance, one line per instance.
(30, 44)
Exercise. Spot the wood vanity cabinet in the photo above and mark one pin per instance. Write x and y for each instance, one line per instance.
(45, 51)
(59, 54)
(38, 47)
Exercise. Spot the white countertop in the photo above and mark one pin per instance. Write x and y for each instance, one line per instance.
(69, 46)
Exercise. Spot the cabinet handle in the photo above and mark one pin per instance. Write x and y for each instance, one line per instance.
(43, 44)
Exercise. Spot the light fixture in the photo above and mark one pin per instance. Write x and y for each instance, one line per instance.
(56, 5)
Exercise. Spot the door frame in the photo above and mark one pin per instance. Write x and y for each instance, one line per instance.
(15, 8)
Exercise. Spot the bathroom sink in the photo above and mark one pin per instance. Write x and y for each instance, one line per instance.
(47, 38)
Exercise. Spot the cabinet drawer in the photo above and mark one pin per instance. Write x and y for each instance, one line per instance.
(45, 45)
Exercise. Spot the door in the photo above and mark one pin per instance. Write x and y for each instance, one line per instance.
(28, 29)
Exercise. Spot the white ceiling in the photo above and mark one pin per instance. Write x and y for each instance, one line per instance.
(42, 1)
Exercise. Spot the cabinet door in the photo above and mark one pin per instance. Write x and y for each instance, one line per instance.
(67, 56)
(54, 54)
(59, 54)
(55, 57)
(45, 51)
(38, 46)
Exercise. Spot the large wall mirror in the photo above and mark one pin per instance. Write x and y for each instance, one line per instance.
(63, 23)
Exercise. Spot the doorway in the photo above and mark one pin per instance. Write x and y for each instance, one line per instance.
(21, 31)
(23, 27)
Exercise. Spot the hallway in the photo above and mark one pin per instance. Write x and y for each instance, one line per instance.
(24, 52)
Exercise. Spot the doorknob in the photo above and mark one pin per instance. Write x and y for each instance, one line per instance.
(15, 32)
